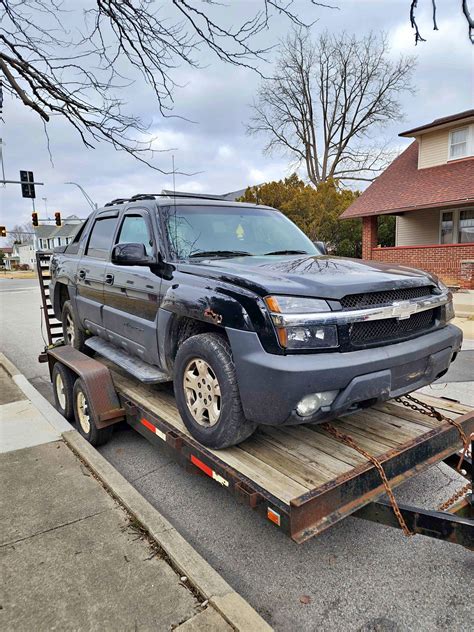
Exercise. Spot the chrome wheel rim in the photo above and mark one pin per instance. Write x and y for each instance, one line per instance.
(70, 329)
(83, 412)
(202, 392)
(60, 390)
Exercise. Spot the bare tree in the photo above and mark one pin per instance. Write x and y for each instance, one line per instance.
(60, 60)
(434, 8)
(326, 99)
(21, 234)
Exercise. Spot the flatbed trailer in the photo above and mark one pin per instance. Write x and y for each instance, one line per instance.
(303, 479)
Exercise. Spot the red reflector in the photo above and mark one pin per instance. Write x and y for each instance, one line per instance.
(202, 466)
(147, 424)
(273, 516)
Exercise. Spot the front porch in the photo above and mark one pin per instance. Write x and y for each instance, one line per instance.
(452, 262)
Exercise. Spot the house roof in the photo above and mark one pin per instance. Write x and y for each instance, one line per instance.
(444, 121)
(6, 249)
(48, 231)
(403, 187)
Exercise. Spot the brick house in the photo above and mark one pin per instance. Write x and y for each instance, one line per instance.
(430, 190)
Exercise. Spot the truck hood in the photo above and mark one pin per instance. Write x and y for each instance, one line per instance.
(308, 275)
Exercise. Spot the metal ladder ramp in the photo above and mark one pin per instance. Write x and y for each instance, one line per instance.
(54, 327)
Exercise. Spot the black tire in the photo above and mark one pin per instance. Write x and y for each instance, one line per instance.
(63, 385)
(73, 334)
(85, 419)
(231, 426)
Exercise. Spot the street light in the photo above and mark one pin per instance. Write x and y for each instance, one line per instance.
(92, 204)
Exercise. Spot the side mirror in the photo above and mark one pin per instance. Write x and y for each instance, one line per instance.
(130, 255)
(321, 246)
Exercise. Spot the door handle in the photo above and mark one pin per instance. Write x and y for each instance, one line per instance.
(109, 279)
(82, 274)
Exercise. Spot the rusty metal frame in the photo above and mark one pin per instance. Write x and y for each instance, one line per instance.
(100, 390)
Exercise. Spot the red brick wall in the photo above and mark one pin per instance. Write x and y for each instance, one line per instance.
(369, 236)
(453, 263)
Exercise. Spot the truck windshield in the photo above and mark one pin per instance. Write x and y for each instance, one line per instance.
(225, 231)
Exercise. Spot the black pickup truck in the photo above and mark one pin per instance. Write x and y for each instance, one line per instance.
(253, 322)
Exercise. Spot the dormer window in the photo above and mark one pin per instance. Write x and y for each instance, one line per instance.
(458, 140)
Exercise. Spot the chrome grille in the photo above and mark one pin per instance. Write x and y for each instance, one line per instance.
(391, 329)
(377, 299)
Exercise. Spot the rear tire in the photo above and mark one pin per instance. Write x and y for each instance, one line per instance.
(207, 394)
(63, 385)
(73, 334)
(85, 418)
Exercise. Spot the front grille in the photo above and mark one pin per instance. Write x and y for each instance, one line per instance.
(391, 329)
(376, 299)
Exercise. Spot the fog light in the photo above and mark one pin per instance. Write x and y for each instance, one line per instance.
(310, 404)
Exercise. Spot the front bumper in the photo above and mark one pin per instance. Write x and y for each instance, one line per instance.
(272, 385)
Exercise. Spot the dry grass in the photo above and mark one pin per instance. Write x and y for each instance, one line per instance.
(18, 274)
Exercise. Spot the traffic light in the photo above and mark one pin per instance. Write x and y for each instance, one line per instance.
(57, 217)
(27, 186)
(34, 219)
(3, 231)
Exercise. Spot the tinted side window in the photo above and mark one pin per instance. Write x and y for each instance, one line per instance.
(101, 237)
(134, 230)
(73, 247)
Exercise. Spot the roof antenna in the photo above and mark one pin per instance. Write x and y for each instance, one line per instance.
(174, 206)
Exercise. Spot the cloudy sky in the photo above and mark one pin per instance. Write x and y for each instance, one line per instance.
(216, 98)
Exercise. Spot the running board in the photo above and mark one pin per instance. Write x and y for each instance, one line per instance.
(146, 373)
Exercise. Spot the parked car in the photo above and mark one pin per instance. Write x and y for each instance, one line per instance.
(252, 322)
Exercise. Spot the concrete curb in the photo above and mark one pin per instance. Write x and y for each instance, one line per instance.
(183, 557)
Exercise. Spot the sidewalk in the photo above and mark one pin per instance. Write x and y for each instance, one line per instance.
(71, 557)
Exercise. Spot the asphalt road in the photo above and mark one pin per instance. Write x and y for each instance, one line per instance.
(358, 575)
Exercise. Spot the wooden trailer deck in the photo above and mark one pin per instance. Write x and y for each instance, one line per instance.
(301, 477)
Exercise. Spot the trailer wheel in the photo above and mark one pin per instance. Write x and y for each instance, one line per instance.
(63, 384)
(73, 334)
(207, 395)
(84, 416)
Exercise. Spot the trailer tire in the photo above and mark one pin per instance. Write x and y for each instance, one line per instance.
(85, 418)
(205, 379)
(73, 334)
(63, 385)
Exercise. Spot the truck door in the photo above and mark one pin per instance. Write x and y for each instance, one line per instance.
(132, 293)
(91, 272)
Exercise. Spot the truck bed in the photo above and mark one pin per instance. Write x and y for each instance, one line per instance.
(300, 477)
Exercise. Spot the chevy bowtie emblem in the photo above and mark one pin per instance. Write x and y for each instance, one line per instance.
(403, 309)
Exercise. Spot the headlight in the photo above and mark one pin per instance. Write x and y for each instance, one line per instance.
(301, 335)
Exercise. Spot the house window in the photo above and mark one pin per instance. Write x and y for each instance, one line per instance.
(466, 227)
(447, 227)
(458, 140)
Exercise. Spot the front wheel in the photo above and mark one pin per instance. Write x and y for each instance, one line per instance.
(63, 384)
(207, 394)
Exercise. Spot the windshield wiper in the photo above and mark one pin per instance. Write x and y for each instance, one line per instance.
(286, 252)
(220, 253)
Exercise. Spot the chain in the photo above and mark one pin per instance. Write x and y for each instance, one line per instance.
(456, 496)
(430, 411)
(426, 409)
(349, 441)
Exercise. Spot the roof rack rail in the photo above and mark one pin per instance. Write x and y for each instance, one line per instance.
(168, 194)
